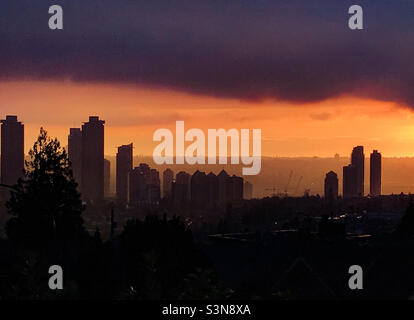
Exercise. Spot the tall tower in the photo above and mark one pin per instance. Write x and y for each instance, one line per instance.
(331, 185)
(180, 190)
(349, 188)
(212, 189)
(123, 168)
(375, 173)
(93, 159)
(247, 190)
(357, 160)
(12, 150)
(224, 188)
(167, 180)
(144, 185)
(107, 178)
(75, 153)
(198, 187)
(237, 188)
(154, 186)
(137, 186)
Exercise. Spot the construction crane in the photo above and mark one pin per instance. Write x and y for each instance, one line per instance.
(288, 183)
(297, 186)
(272, 191)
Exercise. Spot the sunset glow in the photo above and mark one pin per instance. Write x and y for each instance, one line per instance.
(133, 113)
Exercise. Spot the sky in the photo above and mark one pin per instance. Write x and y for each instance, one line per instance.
(291, 68)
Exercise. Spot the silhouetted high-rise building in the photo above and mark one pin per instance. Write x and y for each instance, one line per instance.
(138, 180)
(349, 188)
(375, 174)
(199, 192)
(167, 180)
(212, 190)
(107, 177)
(144, 185)
(146, 170)
(75, 153)
(237, 189)
(123, 168)
(357, 160)
(181, 188)
(331, 185)
(230, 189)
(93, 159)
(154, 186)
(248, 190)
(137, 187)
(224, 188)
(12, 150)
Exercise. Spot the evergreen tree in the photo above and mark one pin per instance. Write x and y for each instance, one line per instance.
(45, 203)
(406, 226)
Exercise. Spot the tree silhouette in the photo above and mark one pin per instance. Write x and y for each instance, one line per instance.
(406, 225)
(158, 254)
(45, 204)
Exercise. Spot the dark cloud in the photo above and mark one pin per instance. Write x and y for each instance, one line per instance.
(299, 51)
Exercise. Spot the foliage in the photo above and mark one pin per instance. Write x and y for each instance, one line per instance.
(45, 203)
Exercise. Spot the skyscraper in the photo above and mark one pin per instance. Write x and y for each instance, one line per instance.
(123, 168)
(224, 188)
(247, 190)
(331, 185)
(167, 180)
(137, 187)
(199, 192)
(349, 188)
(212, 190)
(154, 187)
(107, 177)
(357, 160)
(93, 159)
(181, 188)
(375, 173)
(75, 153)
(237, 189)
(12, 150)
(144, 186)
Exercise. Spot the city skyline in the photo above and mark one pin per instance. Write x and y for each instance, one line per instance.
(92, 170)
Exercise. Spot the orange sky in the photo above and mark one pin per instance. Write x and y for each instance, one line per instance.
(133, 113)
